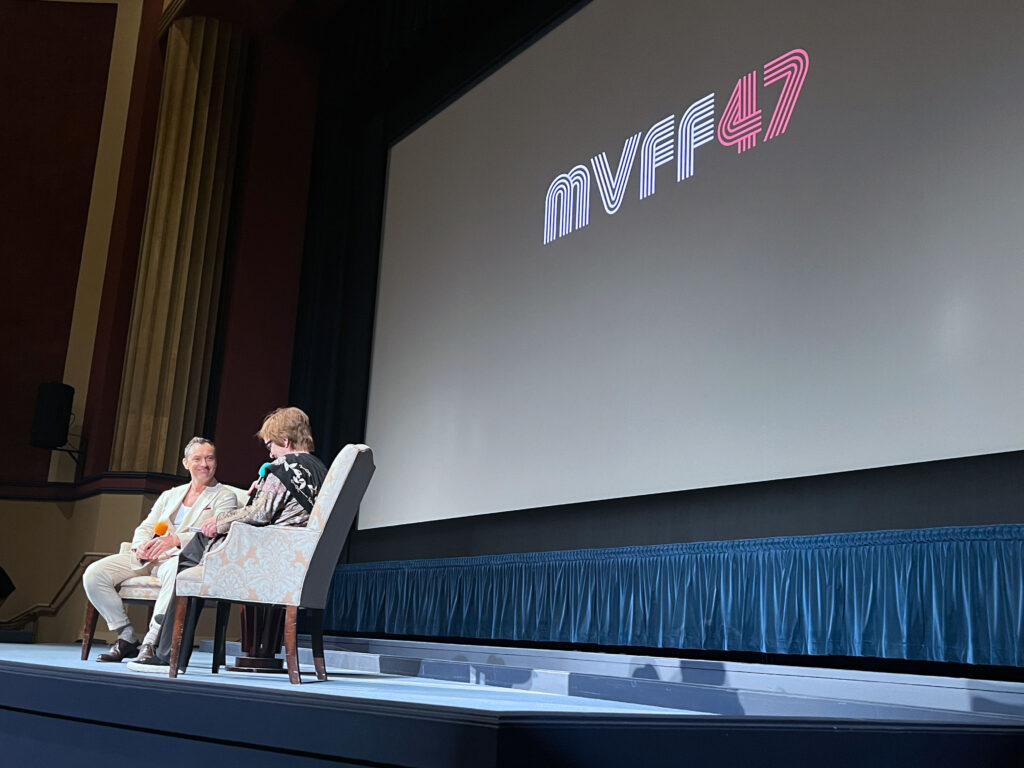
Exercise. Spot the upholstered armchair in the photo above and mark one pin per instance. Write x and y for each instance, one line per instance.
(135, 590)
(282, 565)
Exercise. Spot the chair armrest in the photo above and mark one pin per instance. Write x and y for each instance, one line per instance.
(264, 564)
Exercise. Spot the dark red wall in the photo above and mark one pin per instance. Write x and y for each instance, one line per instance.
(265, 249)
(53, 68)
(54, 59)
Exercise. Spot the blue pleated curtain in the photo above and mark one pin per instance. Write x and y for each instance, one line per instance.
(938, 594)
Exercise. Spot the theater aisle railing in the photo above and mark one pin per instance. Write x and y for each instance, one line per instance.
(32, 614)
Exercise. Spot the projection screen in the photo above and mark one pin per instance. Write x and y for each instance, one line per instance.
(684, 245)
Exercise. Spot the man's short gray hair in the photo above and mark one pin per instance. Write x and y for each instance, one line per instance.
(197, 441)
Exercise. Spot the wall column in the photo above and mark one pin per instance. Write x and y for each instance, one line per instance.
(174, 310)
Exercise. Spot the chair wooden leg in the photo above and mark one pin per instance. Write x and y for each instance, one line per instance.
(180, 607)
(317, 633)
(291, 647)
(91, 615)
(219, 635)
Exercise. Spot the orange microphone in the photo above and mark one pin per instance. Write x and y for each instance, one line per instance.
(158, 530)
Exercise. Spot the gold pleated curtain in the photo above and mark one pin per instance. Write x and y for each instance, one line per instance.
(174, 311)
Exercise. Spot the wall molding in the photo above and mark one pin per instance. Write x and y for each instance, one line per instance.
(132, 483)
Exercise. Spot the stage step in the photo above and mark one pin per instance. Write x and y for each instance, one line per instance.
(715, 687)
(17, 636)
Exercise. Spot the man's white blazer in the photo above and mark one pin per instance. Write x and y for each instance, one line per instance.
(214, 500)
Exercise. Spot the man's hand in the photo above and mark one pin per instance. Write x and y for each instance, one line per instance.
(210, 527)
(154, 548)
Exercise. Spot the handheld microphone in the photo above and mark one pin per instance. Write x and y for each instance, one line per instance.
(158, 530)
(263, 476)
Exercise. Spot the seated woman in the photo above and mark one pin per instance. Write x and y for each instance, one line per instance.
(284, 494)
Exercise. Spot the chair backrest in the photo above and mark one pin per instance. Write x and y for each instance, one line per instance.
(333, 515)
(240, 493)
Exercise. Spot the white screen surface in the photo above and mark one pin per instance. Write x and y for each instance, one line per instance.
(844, 295)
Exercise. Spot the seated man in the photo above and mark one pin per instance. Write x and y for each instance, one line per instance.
(283, 495)
(178, 509)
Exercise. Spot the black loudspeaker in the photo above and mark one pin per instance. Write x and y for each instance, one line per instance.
(53, 415)
(7, 586)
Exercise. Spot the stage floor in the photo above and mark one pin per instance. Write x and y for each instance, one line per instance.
(349, 683)
(434, 705)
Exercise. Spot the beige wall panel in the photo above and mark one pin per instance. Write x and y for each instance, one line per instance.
(43, 540)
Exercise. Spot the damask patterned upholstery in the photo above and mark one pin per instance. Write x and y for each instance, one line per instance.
(256, 565)
(282, 565)
(137, 587)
